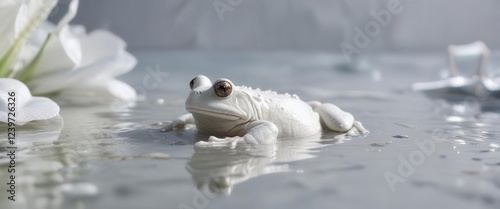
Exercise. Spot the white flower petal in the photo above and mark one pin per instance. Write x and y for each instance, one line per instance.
(40, 33)
(27, 108)
(62, 52)
(95, 74)
(121, 63)
(107, 92)
(72, 60)
(63, 45)
(20, 18)
(70, 14)
(99, 45)
(22, 93)
(121, 90)
(12, 14)
(78, 30)
(114, 88)
(38, 108)
(33, 44)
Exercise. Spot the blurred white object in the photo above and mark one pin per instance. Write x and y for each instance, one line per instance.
(479, 84)
(477, 48)
(27, 108)
(493, 85)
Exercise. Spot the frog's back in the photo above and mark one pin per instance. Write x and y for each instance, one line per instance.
(292, 116)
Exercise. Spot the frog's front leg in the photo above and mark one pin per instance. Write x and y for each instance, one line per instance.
(258, 132)
(180, 122)
(335, 119)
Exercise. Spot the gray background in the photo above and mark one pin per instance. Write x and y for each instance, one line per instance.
(422, 25)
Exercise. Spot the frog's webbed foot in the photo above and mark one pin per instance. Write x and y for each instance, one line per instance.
(215, 141)
(259, 132)
(357, 129)
(335, 119)
(179, 123)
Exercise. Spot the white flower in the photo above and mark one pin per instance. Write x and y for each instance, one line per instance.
(18, 19)
(55, 60)
(26, 107)
(86, 66)
(66, 62)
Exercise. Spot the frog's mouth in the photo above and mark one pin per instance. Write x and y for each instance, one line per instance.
(216, 114)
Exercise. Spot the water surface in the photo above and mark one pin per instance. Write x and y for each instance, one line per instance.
(422, 152)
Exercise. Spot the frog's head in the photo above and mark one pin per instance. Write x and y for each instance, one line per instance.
(221, 100)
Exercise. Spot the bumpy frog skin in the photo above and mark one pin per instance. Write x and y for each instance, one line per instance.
(237, 114)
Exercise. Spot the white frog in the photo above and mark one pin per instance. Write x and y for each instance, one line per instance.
(237, 114)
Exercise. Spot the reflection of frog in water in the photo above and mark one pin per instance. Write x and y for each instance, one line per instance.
(220, 169)
(240, 115)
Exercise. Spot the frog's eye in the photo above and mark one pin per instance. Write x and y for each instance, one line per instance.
(191, 84)
(223, 88)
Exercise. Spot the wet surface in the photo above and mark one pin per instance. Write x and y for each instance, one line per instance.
(422, 152)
